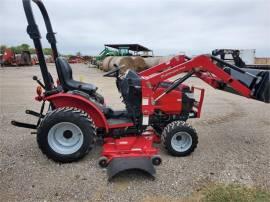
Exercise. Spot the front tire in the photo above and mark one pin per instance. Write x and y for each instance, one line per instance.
(66, 134)
(179, 138)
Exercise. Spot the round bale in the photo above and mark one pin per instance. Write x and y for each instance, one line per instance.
(125, 61)
(139, 63)
(151, 61)
(165, 59)
(105, 63)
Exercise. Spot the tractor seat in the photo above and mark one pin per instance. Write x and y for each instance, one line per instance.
(66, 79)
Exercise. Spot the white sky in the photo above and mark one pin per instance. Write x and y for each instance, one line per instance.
(166, 26)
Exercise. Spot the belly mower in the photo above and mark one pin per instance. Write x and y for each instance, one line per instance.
(156, 108)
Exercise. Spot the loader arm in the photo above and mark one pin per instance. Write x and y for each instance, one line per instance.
(228, 78)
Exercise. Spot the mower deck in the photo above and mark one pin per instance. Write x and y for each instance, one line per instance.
(129, 153)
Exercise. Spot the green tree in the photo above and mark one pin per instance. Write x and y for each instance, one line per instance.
(24, 47)
(32, 50)
(14, 49)
(2, 48)
(47, 51)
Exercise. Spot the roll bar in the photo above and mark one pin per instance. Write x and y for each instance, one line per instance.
(33, 31)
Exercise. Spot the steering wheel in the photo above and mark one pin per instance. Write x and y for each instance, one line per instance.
(113, 73)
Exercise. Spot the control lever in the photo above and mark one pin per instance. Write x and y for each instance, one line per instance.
(35, 78)
(114, 72)
(118, 68)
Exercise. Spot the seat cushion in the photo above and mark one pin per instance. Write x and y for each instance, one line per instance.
(85, 87)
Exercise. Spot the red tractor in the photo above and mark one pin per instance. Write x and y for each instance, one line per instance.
(156, 108)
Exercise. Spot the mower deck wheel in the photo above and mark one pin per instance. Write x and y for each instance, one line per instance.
(179, 138)
(103, 162)
(66, 134)
(156, 160)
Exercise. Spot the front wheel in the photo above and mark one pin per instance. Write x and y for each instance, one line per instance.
(179, 138)
(66, 134)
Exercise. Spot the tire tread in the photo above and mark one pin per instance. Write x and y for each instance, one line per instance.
(168, 132)
(82, 117)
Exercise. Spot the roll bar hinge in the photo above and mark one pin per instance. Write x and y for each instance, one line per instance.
(33, 32)
(51, 38)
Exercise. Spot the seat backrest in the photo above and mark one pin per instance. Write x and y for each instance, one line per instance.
(64, 71)
(130, 88)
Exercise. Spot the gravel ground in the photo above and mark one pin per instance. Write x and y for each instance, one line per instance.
(234, 139)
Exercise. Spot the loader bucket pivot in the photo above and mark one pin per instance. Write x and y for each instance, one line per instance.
(257, 81)
(262, 88)
(258, 84)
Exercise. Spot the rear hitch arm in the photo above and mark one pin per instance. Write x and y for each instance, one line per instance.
(23, 125)
(33, 113)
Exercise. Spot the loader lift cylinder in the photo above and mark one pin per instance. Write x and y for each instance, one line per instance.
(175, 84)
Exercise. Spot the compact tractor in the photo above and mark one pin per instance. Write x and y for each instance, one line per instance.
(156, 107)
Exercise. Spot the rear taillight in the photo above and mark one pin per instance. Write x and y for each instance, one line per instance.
(39, 90)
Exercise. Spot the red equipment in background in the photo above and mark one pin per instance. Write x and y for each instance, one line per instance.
(75, 59)
(9, 58)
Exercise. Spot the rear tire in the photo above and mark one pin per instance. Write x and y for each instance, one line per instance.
(179, 138)
(66, 134)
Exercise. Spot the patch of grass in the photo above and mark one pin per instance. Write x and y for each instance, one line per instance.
(217, 193)
(234, 193)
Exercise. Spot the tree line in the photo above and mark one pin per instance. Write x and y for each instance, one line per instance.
(24, 47)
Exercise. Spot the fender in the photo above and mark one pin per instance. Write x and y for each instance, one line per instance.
(70, 100)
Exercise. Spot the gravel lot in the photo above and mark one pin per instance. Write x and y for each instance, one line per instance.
(234, 139)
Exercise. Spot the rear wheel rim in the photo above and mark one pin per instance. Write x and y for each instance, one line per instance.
(65, 138)
(181, 141)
